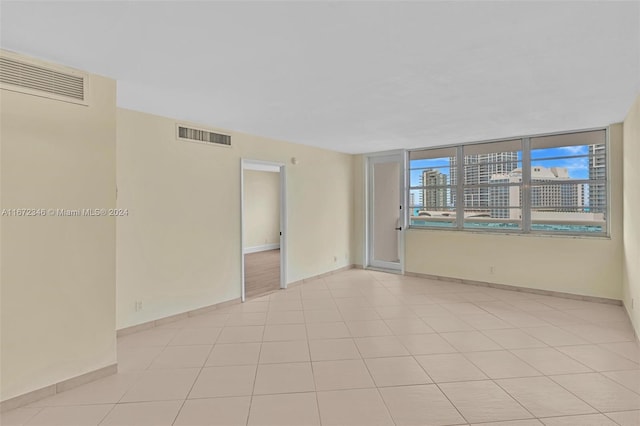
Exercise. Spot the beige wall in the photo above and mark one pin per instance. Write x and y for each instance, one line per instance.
(261, 209)
(585, 266)
(179, 248)
(359, 210)
(631, 201)
(58, 273)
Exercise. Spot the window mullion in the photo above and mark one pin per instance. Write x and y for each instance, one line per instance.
(526, 185)
(459, 188)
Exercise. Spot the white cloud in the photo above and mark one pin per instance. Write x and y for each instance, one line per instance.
(576, 149)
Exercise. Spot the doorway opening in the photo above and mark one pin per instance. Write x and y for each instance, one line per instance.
(263, 236)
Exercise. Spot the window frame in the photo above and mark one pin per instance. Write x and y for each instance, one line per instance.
(525, 187)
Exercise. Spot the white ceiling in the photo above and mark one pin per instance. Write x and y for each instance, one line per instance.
(353, 77)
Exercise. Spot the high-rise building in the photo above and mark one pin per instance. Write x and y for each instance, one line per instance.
(479, 168)
(562, 198)
(597, 171)
(435, 197)
(505, 196)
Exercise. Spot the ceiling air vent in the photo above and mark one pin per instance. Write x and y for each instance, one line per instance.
(203, 136)
(35, 79)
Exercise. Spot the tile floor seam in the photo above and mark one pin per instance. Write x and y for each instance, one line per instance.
(516, 400)
(386, 406)
(573, 393)
(195, 381)
(104, 417)
(374, 381)
(612, 412)
(39, 409)
(451, 402)
(604, 347)
(255, 377)
(572, 415)
(138, 378)
(636, 391)
(508, 349)
(501, 378)
(580, 362)
(553, 348)
(313, 375)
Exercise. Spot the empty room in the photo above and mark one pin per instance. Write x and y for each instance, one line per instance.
(319, 213)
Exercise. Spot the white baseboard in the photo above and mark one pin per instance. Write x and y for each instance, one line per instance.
(264, 247)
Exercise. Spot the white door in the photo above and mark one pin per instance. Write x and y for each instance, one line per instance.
(385, 212)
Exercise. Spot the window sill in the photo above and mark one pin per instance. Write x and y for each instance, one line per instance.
(513, 234)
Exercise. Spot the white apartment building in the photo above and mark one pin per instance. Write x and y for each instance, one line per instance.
(597, 171)
(549, 201)
(479, 169)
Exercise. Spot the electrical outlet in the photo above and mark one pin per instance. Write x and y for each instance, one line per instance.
(138, 305)
(492, 269)
(335, 258)
(631, 303)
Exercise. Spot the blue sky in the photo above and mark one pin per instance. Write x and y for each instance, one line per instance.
(578, 167)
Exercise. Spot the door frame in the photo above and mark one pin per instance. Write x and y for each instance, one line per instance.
(401, 157)
(269, 166)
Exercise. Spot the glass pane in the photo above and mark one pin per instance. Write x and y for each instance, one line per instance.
(562, 151)
(560, 168)
(574, 219)
(434, 218)
(489, 163)
(501, 210)
(483, 173)
(385, 211)
(424, 176)
(505, 218)
(430, 198)
(560, 196)
(431, 167)
(597, 195)
(559, 203)
(567, 207)
(497, 196)
(416, 201)
(571, 156)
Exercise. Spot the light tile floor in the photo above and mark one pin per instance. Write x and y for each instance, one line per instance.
(369, 348)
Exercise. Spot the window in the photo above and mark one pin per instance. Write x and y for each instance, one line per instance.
(554, 184)
(569, 183)
(492, 182)
(432, 193)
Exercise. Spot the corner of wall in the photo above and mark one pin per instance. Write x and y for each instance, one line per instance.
(631, 205)
(58, 279)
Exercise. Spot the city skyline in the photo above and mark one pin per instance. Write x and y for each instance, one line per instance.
(578, 166)
(569, 163)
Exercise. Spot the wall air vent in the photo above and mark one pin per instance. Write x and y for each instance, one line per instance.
(42, 80)
(203, 136)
